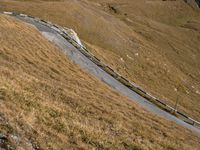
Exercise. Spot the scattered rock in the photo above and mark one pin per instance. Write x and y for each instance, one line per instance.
(4, 143)
(113, 9)
(3, 137)
(15, 138)
(129, 57)
(33, 145)
(197, 92)
(122, 59)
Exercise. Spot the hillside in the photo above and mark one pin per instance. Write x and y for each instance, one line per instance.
(153, 43)
(46, 107)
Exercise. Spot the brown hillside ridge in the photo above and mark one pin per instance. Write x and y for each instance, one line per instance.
(153, 43)
(43, 107)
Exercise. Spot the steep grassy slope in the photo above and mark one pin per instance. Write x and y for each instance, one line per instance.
(46, 101)
(166, 59)
(153, 43)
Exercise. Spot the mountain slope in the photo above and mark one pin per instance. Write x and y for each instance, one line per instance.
(48, 102)
(153, 43)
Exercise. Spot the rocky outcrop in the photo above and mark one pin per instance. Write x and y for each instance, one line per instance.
(194, 3)
(198, 3)
(4, 143)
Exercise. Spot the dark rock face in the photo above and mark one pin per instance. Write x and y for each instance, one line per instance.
(193, 3)
(4, 143)
(198, 3)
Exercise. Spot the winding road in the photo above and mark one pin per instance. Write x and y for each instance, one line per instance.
(53, 34)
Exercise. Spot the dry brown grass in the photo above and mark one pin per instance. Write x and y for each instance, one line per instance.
(153, 43)
(47, 100)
